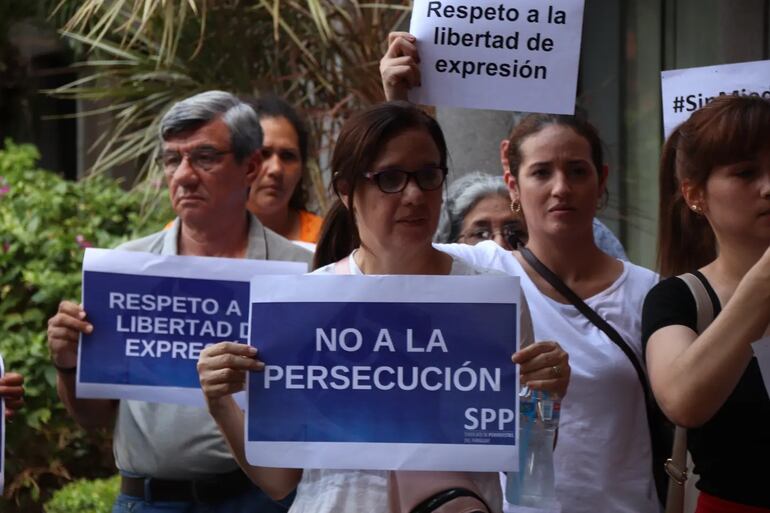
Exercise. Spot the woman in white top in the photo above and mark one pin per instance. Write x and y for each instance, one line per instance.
(390, 164)
(557, 177)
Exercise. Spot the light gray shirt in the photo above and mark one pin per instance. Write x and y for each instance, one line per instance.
(169, 441)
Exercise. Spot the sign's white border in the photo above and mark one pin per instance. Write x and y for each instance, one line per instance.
(491, 288)
(170, 266)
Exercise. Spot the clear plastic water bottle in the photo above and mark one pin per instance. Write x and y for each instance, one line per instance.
(532, 488)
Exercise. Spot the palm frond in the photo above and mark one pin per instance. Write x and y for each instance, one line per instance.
(144, 55)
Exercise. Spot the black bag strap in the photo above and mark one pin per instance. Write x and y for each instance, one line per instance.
(436, 501)
(676, 466)
(591, 315)
(649, 400)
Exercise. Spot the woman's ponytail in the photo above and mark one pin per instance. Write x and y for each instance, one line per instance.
(685, 239)
(339, 236)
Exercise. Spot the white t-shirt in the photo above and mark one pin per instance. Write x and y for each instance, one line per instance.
(603, 458)
(359, 491)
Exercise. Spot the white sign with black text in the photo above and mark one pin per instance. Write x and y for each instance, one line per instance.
(686, 90)
(517, 55)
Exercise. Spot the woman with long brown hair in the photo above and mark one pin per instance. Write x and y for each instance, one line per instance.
(715, 223)
(389, 167)
(279, 196)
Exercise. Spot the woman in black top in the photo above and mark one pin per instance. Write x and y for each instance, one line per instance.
(715, 218)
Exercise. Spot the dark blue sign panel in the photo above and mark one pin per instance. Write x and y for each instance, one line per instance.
(395, 373)
(154, 314)
(149, 330)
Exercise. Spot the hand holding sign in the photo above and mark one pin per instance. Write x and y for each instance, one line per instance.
(486, 54)
(222, 369)
(12, 392)
(64, 331)
(399, 67)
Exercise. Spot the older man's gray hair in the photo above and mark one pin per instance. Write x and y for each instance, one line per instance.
(239, 117)
(462, 195)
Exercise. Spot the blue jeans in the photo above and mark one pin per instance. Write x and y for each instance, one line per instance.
(253, 500)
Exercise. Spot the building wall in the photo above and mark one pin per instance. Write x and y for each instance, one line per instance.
(673, 34)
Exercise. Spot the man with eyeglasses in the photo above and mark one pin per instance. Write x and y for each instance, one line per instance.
(172, 458)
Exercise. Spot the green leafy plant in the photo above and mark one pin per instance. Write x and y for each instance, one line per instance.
(143, 55)
(85, 496)
(46, 223)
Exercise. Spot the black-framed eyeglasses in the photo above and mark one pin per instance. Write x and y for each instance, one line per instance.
(393, 180)
(201, 159)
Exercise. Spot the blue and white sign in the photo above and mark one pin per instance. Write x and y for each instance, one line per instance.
(384, 372)
(2, 433)
(153, 315)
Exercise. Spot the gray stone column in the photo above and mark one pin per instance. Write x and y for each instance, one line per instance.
(473, 138)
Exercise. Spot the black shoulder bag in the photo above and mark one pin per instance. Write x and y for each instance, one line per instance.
(661, 429)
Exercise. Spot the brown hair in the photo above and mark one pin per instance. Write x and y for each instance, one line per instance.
(359, 144)
(271, 106)
(534, 123)
(729, 129)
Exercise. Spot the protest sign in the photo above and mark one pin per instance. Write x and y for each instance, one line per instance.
(517, 55)
(686, 90)
(154, 314)
(2, 432)
(384, 372)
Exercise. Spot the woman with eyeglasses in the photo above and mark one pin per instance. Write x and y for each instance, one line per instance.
(389, 167)
(477, 209)
(556, 179)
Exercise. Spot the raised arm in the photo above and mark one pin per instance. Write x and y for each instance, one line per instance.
(222, 371)
(64, 331)
(692, 376)
(399, 67)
